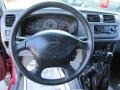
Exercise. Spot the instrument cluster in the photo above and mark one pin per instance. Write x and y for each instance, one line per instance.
(36, 23)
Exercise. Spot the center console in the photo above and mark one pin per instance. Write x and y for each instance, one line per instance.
(96, 76)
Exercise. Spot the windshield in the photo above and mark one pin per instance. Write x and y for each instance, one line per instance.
(109, 5)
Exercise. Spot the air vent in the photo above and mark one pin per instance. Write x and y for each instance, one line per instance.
(93, 18)
(108, 18)
(9, 20)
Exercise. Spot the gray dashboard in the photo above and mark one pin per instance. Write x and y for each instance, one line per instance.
(104, 29)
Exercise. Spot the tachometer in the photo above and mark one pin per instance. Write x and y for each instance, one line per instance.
(49, 24)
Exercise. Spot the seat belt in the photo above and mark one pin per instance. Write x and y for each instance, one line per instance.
(2, 69)
(11, 71)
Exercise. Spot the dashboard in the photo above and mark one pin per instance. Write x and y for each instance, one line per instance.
(36, 23)
(104, 25)
(105, 28)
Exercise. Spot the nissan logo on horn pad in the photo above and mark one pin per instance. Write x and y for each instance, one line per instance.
(54, 42)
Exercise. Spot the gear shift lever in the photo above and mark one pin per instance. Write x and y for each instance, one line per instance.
(109, 57)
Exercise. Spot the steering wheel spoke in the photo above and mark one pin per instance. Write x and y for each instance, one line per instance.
(83, 44)
(37, 72)
(19, 38)
(20, 46)
(68, 70)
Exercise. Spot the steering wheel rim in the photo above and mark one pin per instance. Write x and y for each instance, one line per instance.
(78, 15)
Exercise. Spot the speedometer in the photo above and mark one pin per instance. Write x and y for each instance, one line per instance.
(64, 25)
(49, 24)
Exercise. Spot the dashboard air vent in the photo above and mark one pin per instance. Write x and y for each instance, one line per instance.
(93, 18)
(108, 18)
(9, 20)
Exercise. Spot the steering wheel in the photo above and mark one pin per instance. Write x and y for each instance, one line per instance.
(51, 48)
